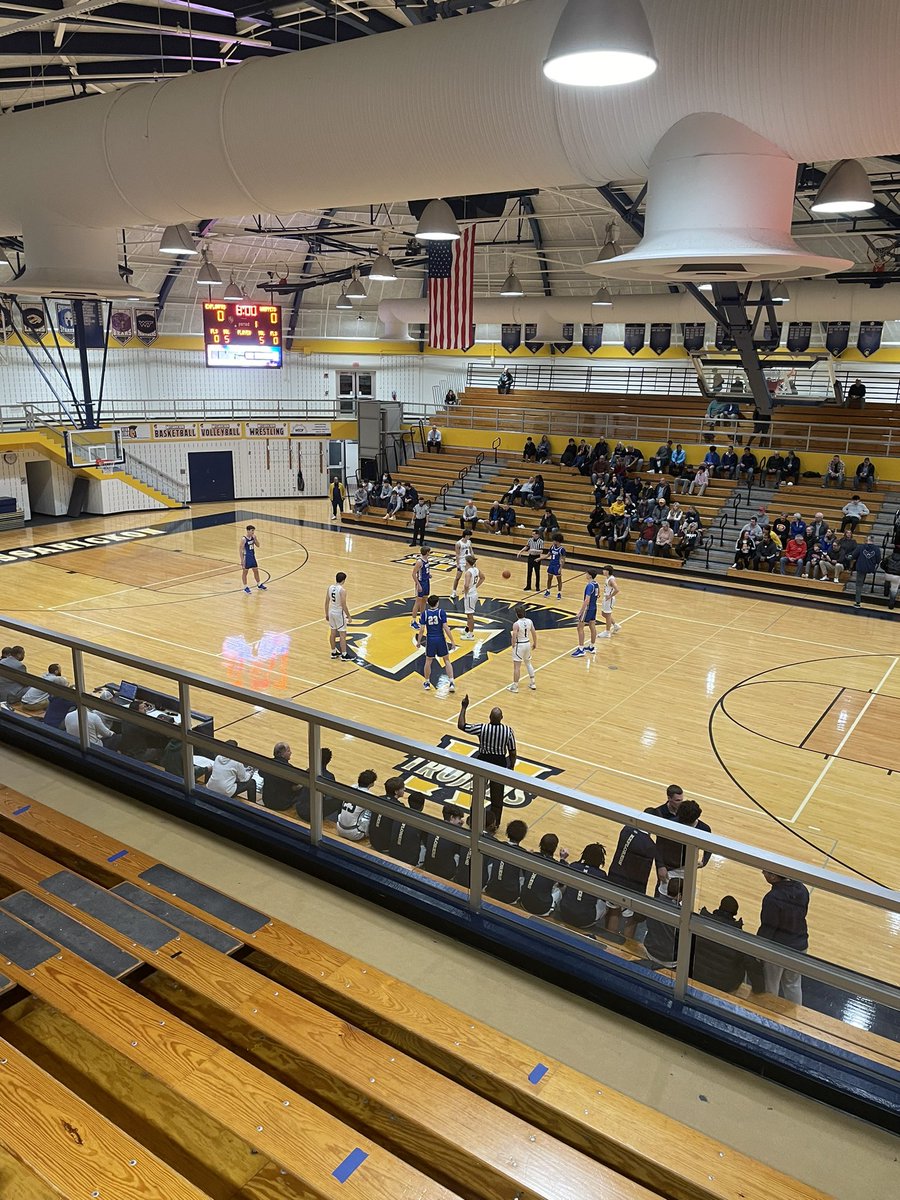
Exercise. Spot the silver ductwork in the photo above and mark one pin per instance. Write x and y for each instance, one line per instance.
(445, 108)
(809, 302)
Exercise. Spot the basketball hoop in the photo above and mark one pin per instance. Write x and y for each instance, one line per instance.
(106, 465)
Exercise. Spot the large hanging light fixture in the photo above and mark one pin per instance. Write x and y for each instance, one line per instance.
(233, 292)
(779, 293)
(603, 299)
(356, 289)
(437, 223)
(382, 267)
(343, 301)
(611, 247)
(512, 285)
(601, 43)
(176, 239)
(845, 189)
(207, 276)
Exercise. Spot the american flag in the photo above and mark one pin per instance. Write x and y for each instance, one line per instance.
(451, 268)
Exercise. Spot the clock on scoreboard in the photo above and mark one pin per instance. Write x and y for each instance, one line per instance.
(242, 335)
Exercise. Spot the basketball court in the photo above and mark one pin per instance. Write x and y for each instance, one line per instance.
(779, 720)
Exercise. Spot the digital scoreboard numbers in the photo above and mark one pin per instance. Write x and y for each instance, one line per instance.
(242, 335)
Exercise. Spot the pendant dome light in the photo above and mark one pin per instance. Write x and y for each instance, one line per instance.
(208, 275)
(382, 267)
(603, 299)
(779, 293)
(601, 43)
(356, 289)
(437, 223)
(845, 189)
(512, 285)
(343, 301)
(176, 239)
(233, 293)
(611, 247)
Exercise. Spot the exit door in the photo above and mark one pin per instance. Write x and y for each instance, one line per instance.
(353, 386)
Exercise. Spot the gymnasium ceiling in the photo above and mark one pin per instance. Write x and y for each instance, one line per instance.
(53, 53)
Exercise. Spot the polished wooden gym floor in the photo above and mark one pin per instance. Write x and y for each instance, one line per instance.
(781, 719)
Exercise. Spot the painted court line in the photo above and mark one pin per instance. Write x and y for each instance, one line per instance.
(843, 742)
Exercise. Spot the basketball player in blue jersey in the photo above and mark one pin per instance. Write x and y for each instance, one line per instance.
(587, 615)
(249, 546)
(438, 641)
(556, 558)
(422, 582)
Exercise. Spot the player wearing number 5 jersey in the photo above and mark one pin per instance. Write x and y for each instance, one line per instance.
(249, 546)
(337, 615)
(610, 591)
(463, 549)
(438, 641)
(524, 640)
(587, 615)
(472, 580)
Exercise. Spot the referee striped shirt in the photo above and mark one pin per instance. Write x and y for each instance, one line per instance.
(535, 546)
(495, 740)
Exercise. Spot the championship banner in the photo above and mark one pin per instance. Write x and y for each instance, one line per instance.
(147, 325)
(92, 319)
(634, 338)
(660, 337)
(693, 336)
(568, 333)
(34, 322)
(121, 325)
(837, 336)
(799, 335)
(510, 337)
(65, 321)
(591, 337)
(869, 338)
(531, 342)
(769, 339)
(724, 340)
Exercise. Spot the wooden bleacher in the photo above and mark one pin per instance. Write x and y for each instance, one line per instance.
(262, 1048)
(663, 416)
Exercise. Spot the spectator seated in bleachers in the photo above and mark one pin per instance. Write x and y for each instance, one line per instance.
(816, 528)
(834, 473)
(854, 511)
(689, 539)
(729, 464)
(505, 382)
(442, 857)
(712, 460)
(434, 442)
(549, 523)
(827, 557)
(495, 516)
(536, 498)
(408, 843)
(718, 966)
(230, 777)
(451, 399)
(505, 880)
(598, 524)
(382, 827)
(798, 527)
(361, 500)
(700, 482)
(744, 552)
(353, 819)
(543, 449)
(579, 908)
(661, 459)
(619, 534)
(774, 467)
(634, 458)
(13, 658)
(567, 458)
(646, 537)
(509, 520)
(529, 450)
(678, 461)
(781, 526)
(865, 475)
(541, 895)
(753, 528)
(747, 466)
(794, 555)
(845, 550)
(468, 518)
(600, 449)
(665, 541)
(582, 462)
(35, 699)
(660, 939)
(791, 468)
(660, 491)
(512, 495)
(277, 793)
(768, 551)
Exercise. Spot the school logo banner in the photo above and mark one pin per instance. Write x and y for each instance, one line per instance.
(146, 323)
(121, 325)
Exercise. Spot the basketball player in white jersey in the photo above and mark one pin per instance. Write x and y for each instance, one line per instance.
(524, 640)
(463, 550)
(472, 580)
(610, 591)
(338, 616)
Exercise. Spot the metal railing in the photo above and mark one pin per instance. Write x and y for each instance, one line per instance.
(306, 726)
(800, 436)
(153, 477)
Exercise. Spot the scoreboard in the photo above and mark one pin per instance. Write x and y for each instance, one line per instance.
(242, 335)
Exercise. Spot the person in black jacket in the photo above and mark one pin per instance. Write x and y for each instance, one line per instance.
(441, 855)
(630, 868)
(330, 805)
(670, 854)
(409, 842)
(722, 967)
(491, 825)
(577, 907)
(782, 919)
(506, 879)
(382, 827)
(661, 939)
(539, 894)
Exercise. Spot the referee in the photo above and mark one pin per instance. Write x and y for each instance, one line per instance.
(534, 548)
(496, 745)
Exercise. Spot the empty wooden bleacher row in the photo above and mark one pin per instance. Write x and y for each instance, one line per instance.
(820, 428)
(423, 1100)
(570, 495)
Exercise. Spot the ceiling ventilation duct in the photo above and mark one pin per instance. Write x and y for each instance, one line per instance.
(720, 202)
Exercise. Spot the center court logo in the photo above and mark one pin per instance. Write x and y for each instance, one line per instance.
(380, 638)
(451, 785)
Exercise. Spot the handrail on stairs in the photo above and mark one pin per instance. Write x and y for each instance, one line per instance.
(442, 495)
(479, 459)
(495, 446)
(177, 488)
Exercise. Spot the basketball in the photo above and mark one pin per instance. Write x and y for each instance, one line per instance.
(505, 574)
